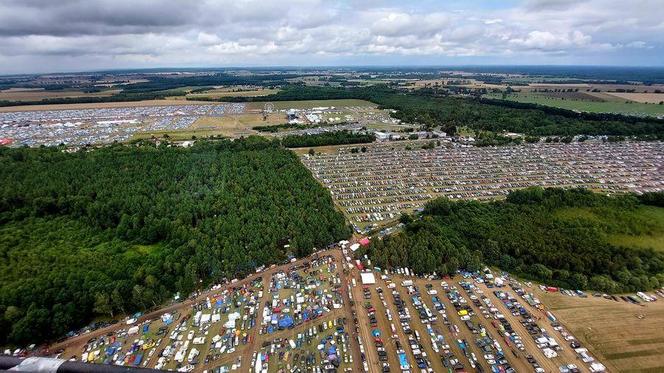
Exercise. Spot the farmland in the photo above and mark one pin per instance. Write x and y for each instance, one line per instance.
(17, 94)
(586, 102)
(232, 92)
(626, 337)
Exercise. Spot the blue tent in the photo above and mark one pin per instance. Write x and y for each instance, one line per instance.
(285, 322)
(375, 333)
(270, 329)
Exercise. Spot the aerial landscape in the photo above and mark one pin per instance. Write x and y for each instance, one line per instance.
(310, 186)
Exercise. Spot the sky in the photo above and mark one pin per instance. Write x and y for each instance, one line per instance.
(38, 36)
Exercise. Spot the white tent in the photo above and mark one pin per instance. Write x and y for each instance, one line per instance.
(368, 278)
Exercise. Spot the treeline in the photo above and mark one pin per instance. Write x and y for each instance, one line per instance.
(284, 126)
(327, 138)
(166, 83)
(158, 88)
(558, 237)
(426, 107)
(118, 97)
(122, 228)
(296, 92)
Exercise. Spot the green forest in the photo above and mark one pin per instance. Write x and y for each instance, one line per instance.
(570, 238)
(327, 138)
(121, 228)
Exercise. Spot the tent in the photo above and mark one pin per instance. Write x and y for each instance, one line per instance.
(368, 278)
(285, 322)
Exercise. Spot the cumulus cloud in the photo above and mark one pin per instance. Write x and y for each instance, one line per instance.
(44, 35)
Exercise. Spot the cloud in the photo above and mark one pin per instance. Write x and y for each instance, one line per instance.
(81, 34)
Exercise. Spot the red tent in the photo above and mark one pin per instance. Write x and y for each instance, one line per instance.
(364, 241)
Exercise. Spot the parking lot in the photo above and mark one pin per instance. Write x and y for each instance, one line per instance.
(104, 125)
(389, 178)
(314, 314)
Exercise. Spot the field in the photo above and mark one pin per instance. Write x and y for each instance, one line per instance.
(18, 94)
(99, 105)
(227, 92)
(650, 98)
(648, 221)
(624, 336)
(230, 126)
(242, 124)
(587, 105)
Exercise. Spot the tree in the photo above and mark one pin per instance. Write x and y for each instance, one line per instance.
(103, 304)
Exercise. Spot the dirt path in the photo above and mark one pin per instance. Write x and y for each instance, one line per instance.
(550, 365)
(76, 343)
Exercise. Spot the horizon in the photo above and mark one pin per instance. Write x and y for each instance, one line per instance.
(458, 67)
(69, 36)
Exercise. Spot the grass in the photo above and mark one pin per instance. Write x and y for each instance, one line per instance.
(655, 242)
(632, 354)
(642, 228)
(230, 126)
(620, 107)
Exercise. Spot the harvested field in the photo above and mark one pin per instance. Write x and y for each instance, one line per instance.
(627, 337)
(648, 98)
(18, 94)
(100, 105)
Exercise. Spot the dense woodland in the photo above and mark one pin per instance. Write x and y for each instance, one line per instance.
(120, 229)
(327, 138)
(559, 237)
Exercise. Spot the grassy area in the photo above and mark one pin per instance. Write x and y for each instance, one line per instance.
(614, 106)
(642, 228)
(230, 126)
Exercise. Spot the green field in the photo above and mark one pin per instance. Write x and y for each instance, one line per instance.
(641, 228)
(620, 107)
